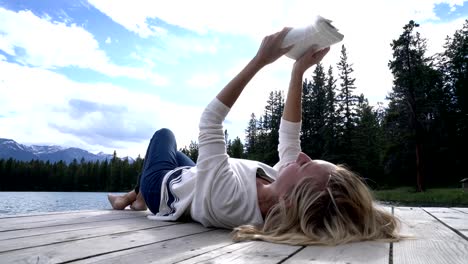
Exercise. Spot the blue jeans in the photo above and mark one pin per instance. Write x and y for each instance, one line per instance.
(161, 157)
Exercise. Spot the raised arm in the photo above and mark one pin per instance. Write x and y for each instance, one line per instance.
(269, 51)
(292, 108)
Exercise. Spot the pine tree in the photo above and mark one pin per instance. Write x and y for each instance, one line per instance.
(105, 175)
(314, 113)
(331, 119)
(307, 122)
(236, 149)
(367, 143)
(262, 141)
(267, 139)
(192, 150)
(347, 102)
(3, 176)
(453, 64)
(251, 137)
(416, 94)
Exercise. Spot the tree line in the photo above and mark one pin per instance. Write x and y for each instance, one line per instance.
(37, 175)
(419, 139)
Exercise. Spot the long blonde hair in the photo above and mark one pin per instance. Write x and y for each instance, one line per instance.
(342, 212)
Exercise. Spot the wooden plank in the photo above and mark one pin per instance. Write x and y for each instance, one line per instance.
(64, 228)
(46, 213)
(440, 209)
(94, 230)
(451, 217)
(170, 251)
(362, 252)
(65, 219)
(461, 209)
(432, 242)
(246, 252)
(52, 216)
(63, 215)
(85, 248)
(183, 249)
(381, 206)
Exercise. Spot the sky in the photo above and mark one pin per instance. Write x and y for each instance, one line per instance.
(105, 75)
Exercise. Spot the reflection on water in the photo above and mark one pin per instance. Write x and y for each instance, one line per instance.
(12, 203)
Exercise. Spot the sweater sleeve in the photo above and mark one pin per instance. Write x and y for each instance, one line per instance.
(289, 142)
(211, 138)
(220, 196)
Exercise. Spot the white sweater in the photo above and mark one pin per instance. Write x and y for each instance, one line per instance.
(222, 191)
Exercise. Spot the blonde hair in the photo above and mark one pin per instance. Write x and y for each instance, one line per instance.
(342, 212)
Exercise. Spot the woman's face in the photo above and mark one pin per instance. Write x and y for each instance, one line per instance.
(291, 173)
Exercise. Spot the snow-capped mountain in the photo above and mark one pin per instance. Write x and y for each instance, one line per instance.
(45, 149)
(11, 149)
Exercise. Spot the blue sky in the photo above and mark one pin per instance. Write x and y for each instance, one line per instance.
(104, 75)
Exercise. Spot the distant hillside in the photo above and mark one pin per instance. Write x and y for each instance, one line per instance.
(11, 149)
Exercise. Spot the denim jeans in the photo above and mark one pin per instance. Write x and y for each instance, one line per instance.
(161, 157)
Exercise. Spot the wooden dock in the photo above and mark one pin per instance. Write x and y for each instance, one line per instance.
(106, 236)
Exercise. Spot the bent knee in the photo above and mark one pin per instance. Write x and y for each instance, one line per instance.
(163, 132)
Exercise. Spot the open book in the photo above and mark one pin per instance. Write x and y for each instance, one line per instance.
(320, 34)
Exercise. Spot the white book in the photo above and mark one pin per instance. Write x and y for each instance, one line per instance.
(319, 35)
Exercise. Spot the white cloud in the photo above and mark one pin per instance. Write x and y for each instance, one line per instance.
(204, 80)
(132, 15)
(436, 34)
(200, 16)
(6, 46)
(52, 45)
(2, 58)
(175, 48)
(251, 17)
(108, 40)
(38, 110)
(368, 26)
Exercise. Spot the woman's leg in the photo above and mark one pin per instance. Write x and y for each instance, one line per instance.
(139, 203)
(161, 157)
(184, 160)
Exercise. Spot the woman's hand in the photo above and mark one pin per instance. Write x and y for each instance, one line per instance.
(310, 58)
(270, 49)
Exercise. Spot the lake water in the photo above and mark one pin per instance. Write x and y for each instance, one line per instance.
(12, 203)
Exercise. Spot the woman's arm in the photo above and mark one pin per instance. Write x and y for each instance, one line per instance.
(220, 198)
(289, 133)
(270, 50)
(293, 106)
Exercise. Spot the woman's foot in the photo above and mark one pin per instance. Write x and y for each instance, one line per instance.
(139, 204)
(118, 202)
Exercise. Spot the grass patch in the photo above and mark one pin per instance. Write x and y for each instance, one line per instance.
(444, 197)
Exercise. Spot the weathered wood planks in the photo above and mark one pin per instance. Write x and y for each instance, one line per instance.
(438, 235)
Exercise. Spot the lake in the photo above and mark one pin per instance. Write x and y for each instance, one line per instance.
(13, 203)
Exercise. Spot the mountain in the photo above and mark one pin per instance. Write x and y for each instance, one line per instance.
(11, 149)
